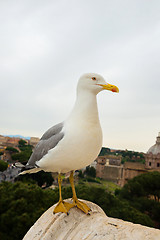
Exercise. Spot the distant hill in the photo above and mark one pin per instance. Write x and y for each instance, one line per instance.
(17, 136)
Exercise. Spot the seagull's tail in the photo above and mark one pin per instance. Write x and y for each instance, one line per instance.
(30, 171)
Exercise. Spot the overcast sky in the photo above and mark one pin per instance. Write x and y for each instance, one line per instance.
(45, 46)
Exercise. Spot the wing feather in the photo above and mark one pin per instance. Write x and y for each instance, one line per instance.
(48, 141)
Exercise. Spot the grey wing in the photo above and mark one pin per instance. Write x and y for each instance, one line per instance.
(48, 141)
(52, 131)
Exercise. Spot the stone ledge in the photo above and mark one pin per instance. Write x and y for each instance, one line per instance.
(78, 226)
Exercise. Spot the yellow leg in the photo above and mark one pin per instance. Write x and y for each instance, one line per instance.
(76, 202)
(62, 206)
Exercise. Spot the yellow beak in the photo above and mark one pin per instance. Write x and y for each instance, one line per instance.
(110, 87)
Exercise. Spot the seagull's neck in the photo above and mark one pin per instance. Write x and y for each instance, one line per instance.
(85, 109)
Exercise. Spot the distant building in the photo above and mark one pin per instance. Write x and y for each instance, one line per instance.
(7, 156)
(14, 142)
(152, 163)
(152, 158)
(33, 141)
(8, 141)
(109, 167)
(131, 170)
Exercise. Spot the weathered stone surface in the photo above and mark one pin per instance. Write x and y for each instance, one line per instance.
(79, 226)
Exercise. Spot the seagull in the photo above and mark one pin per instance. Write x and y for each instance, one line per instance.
(74, 143)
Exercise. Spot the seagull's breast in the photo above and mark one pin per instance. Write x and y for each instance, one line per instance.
(82, 139)
(80, 146)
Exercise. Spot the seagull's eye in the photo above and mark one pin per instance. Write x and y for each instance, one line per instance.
(94, 78)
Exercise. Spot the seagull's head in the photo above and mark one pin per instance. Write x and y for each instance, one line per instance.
(95, 83)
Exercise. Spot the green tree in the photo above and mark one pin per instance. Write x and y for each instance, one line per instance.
(21, 204)
(40, 178)
(144, 185)
(104, 151)
(12, 150)
(3, 165)
(125, 159)
(80, 174)
(24, 155)
(90, 171)
(131, 156)
(22, 143)
(143, 193)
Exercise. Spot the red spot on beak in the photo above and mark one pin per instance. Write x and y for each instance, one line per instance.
(114, 90)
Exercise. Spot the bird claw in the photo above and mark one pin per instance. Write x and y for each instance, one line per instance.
(82, 206)
(63, 207)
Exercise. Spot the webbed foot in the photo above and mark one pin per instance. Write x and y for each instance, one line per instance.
(63, 207)
(82, 206)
